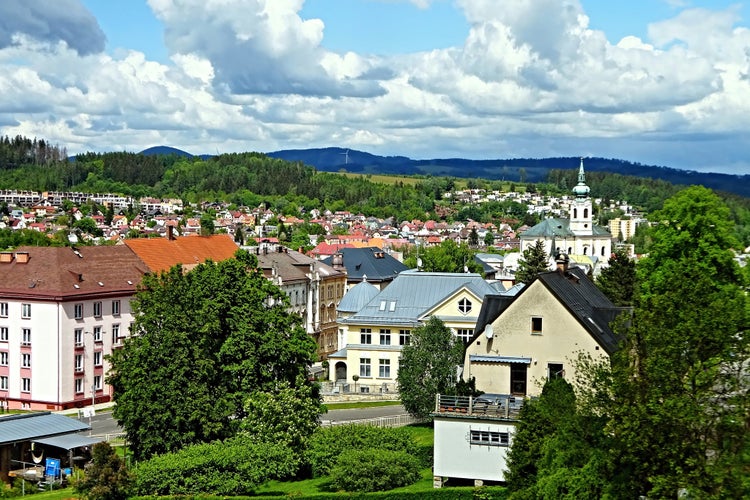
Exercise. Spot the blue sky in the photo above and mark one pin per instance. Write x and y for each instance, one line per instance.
(662, 82)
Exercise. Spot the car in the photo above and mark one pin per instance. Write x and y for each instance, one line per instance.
(486, 399)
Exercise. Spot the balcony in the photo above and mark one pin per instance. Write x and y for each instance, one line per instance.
(495, 406)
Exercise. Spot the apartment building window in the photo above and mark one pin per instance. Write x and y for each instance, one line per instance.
(489, 438)
(97, 334)
(385, 336)
(97, 382)
(365, 336)
(404, 337)
(4, 309)
(26, 360)
(464, 305)
(385, 368)
(536, 325)
(3, 333)
(25, 384)
(365, 369)
(465, 334)
(78, 311)
(25, 311)
(3, 358)
(97, 309)
(98, 358)
(78, 336)
(115, 308)
(79, 386)
(79, 362)
(3, 383)
(115, 334)
(25, 336)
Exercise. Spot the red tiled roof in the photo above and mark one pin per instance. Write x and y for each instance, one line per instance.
(160, 254)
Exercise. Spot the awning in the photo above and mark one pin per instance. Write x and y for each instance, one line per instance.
(498, 359)
(69, 441)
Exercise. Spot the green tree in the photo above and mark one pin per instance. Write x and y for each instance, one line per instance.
(106, 476)
(534, 261)
(448, 257)
(489, 238)
(617, 281)
(208, 226)
(428, 366)
(203, 341)
(473, 238)
(681, 403)
(87, 225)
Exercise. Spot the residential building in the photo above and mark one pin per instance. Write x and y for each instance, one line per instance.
(160, 254)
(314, 289)
(375, 334)
(62, 311)
(373, 264)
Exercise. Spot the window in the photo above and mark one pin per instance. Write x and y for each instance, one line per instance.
(3, 333)
(26, 311)
(385, 336)
(78, 336)
(490, 438)
(465, 334)
(404, 337)
(97, 309)
(26, 360)
(115, 334)
(364, 367)
(98, 358)
(3, 383)
(385, 368)
(382, 305)
(97, 334)
(78, 311)
(97, 382)
(79, 386)
(79, 362)
(555, 370)
(25, 336)
(365, 336)
(392, 306)
(536, 325)
(464, 305)
(25, 384)
(3, 358)
(4, 309)
(115, 308)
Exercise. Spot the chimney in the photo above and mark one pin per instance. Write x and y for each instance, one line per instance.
(562, 262)
(22, 257)
(6, 257)
(170, 233)
(338, 260)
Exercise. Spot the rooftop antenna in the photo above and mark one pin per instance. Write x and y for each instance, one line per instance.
(346, 157)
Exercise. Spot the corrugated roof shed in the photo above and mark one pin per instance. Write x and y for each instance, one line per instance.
(30, 426)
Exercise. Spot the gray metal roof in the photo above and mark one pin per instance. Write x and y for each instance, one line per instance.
(69, 441)
(357, 297)
(554, 227)
(33, 426)
(414, 293)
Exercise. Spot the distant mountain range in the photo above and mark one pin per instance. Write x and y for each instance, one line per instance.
(514, 169)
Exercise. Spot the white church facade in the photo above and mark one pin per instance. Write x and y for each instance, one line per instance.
(585, 243)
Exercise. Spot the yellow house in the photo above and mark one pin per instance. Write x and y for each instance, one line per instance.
(374, 336)
(521, 341)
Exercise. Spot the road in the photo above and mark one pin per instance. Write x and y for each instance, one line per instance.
(103, 423)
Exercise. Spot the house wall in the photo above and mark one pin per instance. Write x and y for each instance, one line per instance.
(456, 457)
(561, 339)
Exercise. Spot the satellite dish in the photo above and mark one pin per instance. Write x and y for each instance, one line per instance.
(466, 269)
(488, 331)
(419, 263)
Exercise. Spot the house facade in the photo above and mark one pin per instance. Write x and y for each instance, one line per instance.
(375, 335)
(62, 311)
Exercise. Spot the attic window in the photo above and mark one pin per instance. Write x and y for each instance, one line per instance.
(392, 306)
(536, 325)
(464, 305)
(382, 305)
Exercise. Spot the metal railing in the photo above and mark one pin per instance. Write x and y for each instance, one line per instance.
(503, 406)
(390, 421)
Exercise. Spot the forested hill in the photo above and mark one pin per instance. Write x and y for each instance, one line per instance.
(516, 169)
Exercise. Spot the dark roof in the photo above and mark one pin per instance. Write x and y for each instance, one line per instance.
(371, 262)
(30, 426)
(577, 293)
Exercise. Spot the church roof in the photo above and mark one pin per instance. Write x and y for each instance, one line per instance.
(554, 228)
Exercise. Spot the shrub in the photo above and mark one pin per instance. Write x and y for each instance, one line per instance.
(233, 467)
(327, 443)
(106, 476)
(374, 470)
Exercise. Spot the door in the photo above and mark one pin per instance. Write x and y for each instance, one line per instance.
(518, 378)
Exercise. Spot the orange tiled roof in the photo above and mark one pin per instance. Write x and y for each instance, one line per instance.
(160, 254)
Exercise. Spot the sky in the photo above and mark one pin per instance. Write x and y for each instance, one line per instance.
(658, 82)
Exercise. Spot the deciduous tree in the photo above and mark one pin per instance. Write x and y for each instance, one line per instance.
(201, 343)
(428, 366)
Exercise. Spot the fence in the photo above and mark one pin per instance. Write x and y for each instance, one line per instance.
(391, 421)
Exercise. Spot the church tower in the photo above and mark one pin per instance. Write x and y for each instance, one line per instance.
(581, 216)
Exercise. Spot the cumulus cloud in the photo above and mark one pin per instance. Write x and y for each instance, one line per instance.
(51, 22)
